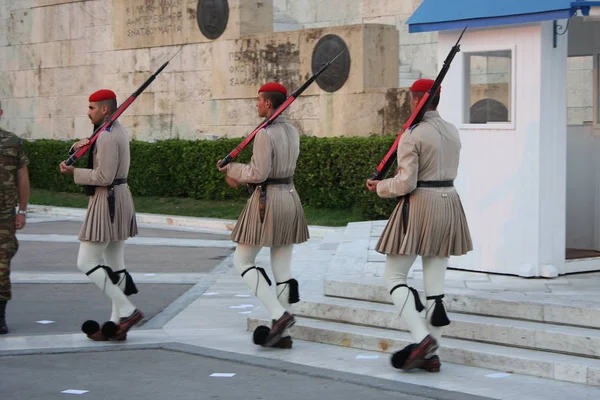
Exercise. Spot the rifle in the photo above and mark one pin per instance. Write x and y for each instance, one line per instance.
(79, 153)
(417, 114)
(267, 121)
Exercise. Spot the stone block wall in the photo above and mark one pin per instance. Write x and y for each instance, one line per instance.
(54, 53)
(417, 50)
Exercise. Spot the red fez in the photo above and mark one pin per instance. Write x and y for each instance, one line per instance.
(423, 85)
(273, 87)
(101, 95)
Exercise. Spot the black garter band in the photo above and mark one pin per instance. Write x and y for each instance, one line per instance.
(418, 305)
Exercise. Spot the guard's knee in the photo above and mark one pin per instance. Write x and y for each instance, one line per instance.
(88, 257)
(114, 278)
(85, 265)
(418, 304)
(438, 315)
(261, 270)
(293, 293)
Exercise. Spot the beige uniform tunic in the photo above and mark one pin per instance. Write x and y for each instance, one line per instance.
(437, 225)
(276, 150)
(111, 161)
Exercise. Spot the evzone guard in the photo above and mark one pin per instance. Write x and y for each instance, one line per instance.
(428, 221)
(110, 218)
(273, 216)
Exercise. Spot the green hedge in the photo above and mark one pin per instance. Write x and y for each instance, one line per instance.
(331, 172)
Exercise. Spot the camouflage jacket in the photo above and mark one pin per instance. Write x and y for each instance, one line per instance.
(12, 158)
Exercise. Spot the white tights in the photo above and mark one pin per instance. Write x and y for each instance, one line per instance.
(434, 272)
(281, 258)
(92, 254)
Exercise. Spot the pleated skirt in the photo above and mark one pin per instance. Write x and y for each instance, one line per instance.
(437, 226)
(284, 220)
(97, 226)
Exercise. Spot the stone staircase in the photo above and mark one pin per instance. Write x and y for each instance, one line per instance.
(519, 331)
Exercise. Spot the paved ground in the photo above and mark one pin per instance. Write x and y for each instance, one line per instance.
(172, 269)
(47, 250)
(55, 248)
(150, 374)
(145, 259)
(68, 305)
(200, 308)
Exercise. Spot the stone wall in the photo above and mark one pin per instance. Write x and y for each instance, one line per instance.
(417, 50)
(356, 109)
(54, 53)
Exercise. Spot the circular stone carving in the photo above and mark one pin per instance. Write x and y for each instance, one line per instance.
(212, 17)
(325, 50)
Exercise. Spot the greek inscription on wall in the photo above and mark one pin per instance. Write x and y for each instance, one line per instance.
(148, 23)
(254, 67)
(154, 17)
(243, 68)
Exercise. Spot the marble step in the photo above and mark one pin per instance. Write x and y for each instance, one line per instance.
(509, 332)
(494, 304)
(511, 360)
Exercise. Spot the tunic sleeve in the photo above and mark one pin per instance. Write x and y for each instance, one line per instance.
(104, 172)
(405, 180)
(260, 165)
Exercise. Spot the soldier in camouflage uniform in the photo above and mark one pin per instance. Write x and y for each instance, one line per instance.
(14, 182)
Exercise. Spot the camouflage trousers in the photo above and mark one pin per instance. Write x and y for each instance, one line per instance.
(8, 249)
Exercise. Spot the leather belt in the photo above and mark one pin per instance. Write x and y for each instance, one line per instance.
(278, 181)
(435, 184)
(118, 181)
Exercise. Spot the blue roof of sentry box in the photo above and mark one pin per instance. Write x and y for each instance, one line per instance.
(439, 15)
